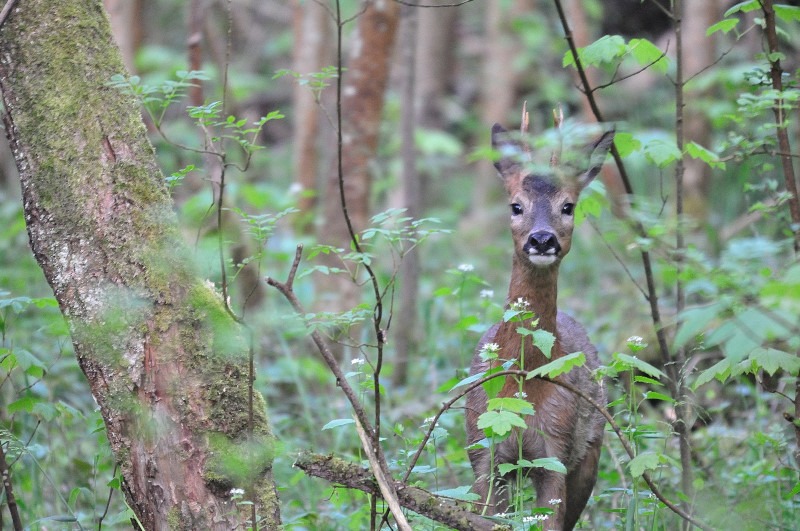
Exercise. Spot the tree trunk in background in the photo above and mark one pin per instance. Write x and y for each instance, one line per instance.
(498, 88)
(312, 49)
(700, 52)
(406, 335)
(194, 49)
(164, 361)
(365, 80)
(434, 63)
(126, 25)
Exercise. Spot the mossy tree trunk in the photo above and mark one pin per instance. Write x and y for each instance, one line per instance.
(164, 361)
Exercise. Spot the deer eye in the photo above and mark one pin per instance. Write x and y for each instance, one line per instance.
(568, 209)
(516, 209)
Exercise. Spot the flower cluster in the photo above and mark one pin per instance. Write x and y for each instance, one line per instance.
(466, 268)
(520, 305)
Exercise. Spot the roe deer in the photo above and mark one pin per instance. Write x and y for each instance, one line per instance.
(564, 426)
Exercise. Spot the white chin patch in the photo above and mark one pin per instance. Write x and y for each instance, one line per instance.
(542, 259)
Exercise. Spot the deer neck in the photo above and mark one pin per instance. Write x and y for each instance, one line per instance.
(539, 287)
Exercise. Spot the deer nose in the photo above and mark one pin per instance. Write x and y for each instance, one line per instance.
(543, 242)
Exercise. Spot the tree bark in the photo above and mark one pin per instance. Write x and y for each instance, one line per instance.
(164, 361)
(311, 49)
(407, 335)
(699, 16)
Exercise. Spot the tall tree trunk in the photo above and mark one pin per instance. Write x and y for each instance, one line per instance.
(406, 333)
(699, 16)
(311, 51)
(164, 361)
(365, 82)
(435, 57)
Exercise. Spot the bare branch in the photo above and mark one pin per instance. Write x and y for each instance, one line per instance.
(387, 489)
(453, 514)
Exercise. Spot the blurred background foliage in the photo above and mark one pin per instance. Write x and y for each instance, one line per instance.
(468, 67)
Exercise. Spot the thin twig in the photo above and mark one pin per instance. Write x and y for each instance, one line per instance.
(286, 289)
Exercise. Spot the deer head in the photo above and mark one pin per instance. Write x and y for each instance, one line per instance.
(542, 199)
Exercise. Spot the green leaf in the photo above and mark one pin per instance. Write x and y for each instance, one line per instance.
(744, 7)
(500, 422)
(661, 153)
(626, 144)
(724, 26)
(548, 463)
(544, 340)
(696, 151)
(559, 365)
(642, 463)
(771, 360)
(25, 403)
(652, 395)
(515, 405)
(505, 468)
(720, 370)
(787, 13)
(634, 362)
(468, 380)
(336, 423)
(647, 53)
(494, 385)
(606, 49)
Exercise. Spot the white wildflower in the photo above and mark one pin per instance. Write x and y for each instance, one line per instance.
(357, 361)
(487, 293)
(234, 492)
(295, 188)
(555, 501)
(466, 268)
(493, 348)
(521, 395)
(428, 420)
(520, 305)
(636, 341)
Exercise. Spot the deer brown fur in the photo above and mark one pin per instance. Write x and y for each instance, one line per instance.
(564, 426)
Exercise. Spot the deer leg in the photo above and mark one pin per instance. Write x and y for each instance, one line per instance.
(551, 486)
(580, 482)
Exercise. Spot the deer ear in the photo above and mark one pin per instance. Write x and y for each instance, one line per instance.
(596, 155)
(507, 149)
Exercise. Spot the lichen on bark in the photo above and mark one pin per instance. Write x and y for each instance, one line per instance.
(164, 361)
